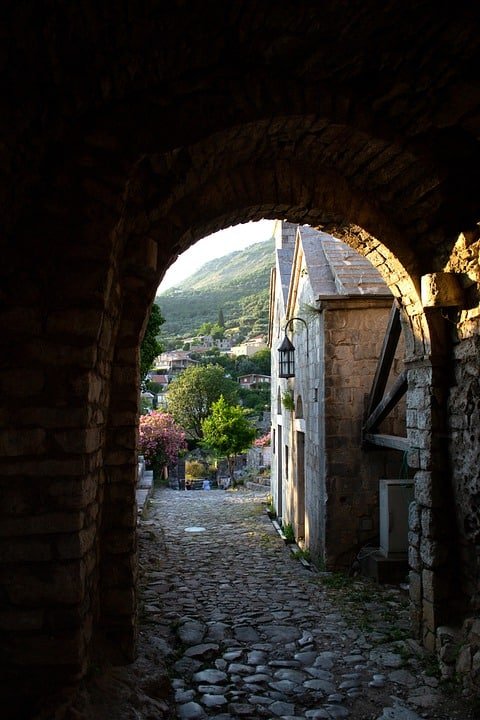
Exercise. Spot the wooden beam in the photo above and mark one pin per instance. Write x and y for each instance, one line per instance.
(395, 442)
(385, 360)
(396, 392)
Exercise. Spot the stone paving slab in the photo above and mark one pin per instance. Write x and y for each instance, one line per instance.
(238, 628)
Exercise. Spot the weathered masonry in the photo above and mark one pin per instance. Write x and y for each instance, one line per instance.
(129, 131)
(324, 483)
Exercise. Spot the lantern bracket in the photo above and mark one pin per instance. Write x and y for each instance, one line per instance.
(301, 320)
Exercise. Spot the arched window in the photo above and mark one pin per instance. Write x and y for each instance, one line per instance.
(299, 407)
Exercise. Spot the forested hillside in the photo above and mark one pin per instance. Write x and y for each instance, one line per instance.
(236, 284)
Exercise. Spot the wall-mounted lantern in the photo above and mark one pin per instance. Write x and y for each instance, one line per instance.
(286, 353)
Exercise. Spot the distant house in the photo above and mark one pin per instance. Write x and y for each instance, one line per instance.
(249, 347)
(254, 380)
(174, 362)
(160, 379)
(323, 481)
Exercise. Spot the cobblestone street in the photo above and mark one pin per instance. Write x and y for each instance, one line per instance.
(247, 631)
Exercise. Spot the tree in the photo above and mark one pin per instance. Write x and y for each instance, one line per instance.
(263, 361)
(227, 431)
(257, 399)
(150, 347)
(221, 319)
(160, 439)
(191, 395)
(217, 332)
(204, 329)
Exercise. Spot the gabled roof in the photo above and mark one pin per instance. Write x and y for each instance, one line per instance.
(285, 233)
(335, 269)
(284, 269)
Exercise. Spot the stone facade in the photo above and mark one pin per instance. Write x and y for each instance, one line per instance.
(119, 152)
(327, 481)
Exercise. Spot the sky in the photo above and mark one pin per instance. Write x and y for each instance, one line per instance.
(220, 243)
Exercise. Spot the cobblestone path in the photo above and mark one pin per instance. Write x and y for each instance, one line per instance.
(248, 632)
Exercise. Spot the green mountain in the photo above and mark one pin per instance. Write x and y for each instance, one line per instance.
(237, 284)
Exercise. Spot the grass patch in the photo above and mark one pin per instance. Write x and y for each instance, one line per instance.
(336, 581)
(288, 532)
(302, 555)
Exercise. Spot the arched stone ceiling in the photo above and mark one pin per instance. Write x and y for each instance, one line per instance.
(384, 94)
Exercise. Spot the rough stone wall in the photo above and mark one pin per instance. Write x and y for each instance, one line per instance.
(354, 334)
(464, 417)
(316, 132)
(55, 399)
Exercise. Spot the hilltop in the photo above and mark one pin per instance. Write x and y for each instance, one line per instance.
(237, 284)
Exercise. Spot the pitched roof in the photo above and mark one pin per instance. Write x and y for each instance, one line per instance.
(334, 268)
(284, 270)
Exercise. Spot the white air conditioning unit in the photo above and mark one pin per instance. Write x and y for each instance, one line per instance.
(395, 497)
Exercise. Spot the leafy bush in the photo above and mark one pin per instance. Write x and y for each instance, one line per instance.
(195, 469)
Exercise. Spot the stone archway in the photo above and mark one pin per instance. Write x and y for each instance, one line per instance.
(427, 344)
(112, 171)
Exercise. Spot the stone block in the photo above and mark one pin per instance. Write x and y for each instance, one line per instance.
(425, 459)
(411, 418)
(476, 663)
(47, 523)
(429, 638)
(414, 559)
(79, 440)
(413, 459)
(447, 644)
(119, 601)
(415, 586)
(74, 494)
(22, 382)
(418, 398)
(430, 526)
(414, 539)
(463, 666)
(471, 630)
(19, 620)
(414, 518)
(66, 649)
(58, 619)
(428, 490)
(433, 553)
(118, 542)
(48, 583)
(75, 545)
(20, 442)
(429, 614)
(80, 322)
(25, 550)
(436, 585)
(55, 467)
(420, 439)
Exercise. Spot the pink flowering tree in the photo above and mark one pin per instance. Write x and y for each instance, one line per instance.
(161, 440)
(263, 441)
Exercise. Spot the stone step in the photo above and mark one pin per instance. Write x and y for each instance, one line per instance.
(257, 486)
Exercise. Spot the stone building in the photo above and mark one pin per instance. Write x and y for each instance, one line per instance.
(324, 481)
(254, 380)
(130, 131)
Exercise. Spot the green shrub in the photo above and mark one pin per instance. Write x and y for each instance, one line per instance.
(195, 469)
